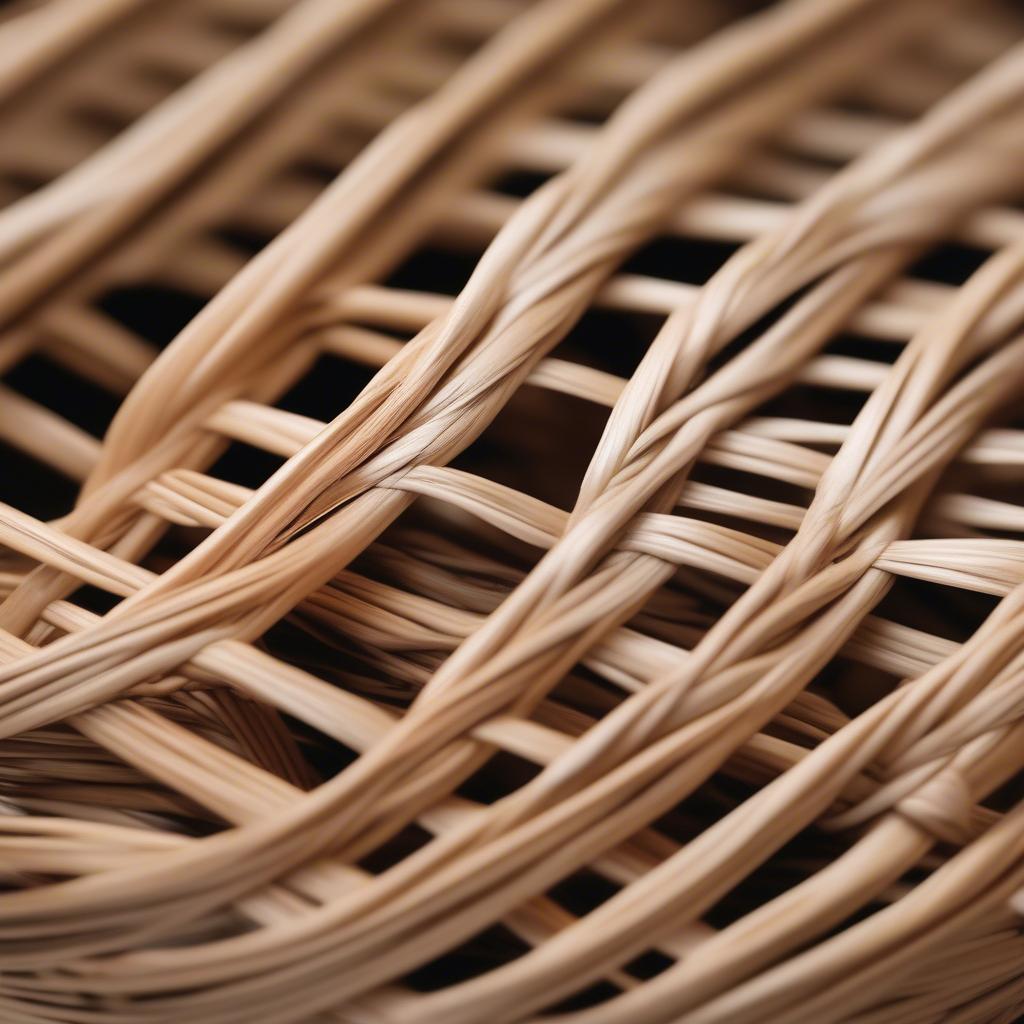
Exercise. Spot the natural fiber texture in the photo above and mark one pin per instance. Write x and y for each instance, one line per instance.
(559, 549)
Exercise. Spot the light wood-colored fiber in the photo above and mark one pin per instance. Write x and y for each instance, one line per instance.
(513, 510)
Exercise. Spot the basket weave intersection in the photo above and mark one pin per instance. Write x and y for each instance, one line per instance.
(512, 511)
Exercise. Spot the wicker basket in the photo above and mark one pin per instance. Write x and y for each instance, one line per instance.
(513, 510)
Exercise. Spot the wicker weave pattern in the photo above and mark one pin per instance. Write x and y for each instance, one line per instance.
(617, 612)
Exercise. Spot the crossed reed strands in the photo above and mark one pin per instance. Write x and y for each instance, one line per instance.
(322, 936)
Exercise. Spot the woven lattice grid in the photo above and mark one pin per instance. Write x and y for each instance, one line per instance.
(255, 699)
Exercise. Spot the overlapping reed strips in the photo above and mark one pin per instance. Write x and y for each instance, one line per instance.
(284, 501)
(747, 686)
(943, 741)
(42, 36)
(107, 192)
(324, 121)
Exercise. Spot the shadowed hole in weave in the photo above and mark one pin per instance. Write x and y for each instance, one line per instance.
(458, 40)
(950, 612)
(497, 946)
(245, 464)
(314, 171)
(494, 561)
(687, 260)
(610, 340)
(583, 690)
(502, 774)
(744, 339)
(1007, 796)
(493, 947)
(950, 263)
(396, 849)
(98, 119)
(583, 891)
(332, 655)
(649, 965)
(245, 239)
(88, 780)
(520, 437)
(804, 160)
(387, 678)
(168, 77)
(852, 686)
(234, 23)
(33, 487)
(673, 613)
(177, 542)
(539, 444)
(856, 346)
(520, 183)
(816, 404)
(872, 903)
(802, 857)
(154, 311)
(861, 105)
(74, 398)
(761, 188)
(697, 810)
(94, 599)
(592, 108)
(307, 177)
(21, 183)
(592, 995)
(433, 269)
(327, 388)
(682, 610)
(449, 556)
(324, 754)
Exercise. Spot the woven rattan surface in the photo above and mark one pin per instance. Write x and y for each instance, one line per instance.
(511, 510)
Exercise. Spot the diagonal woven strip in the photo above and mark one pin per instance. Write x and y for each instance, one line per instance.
(512, 511)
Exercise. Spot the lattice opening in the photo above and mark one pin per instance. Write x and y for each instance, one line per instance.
(155, 312)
